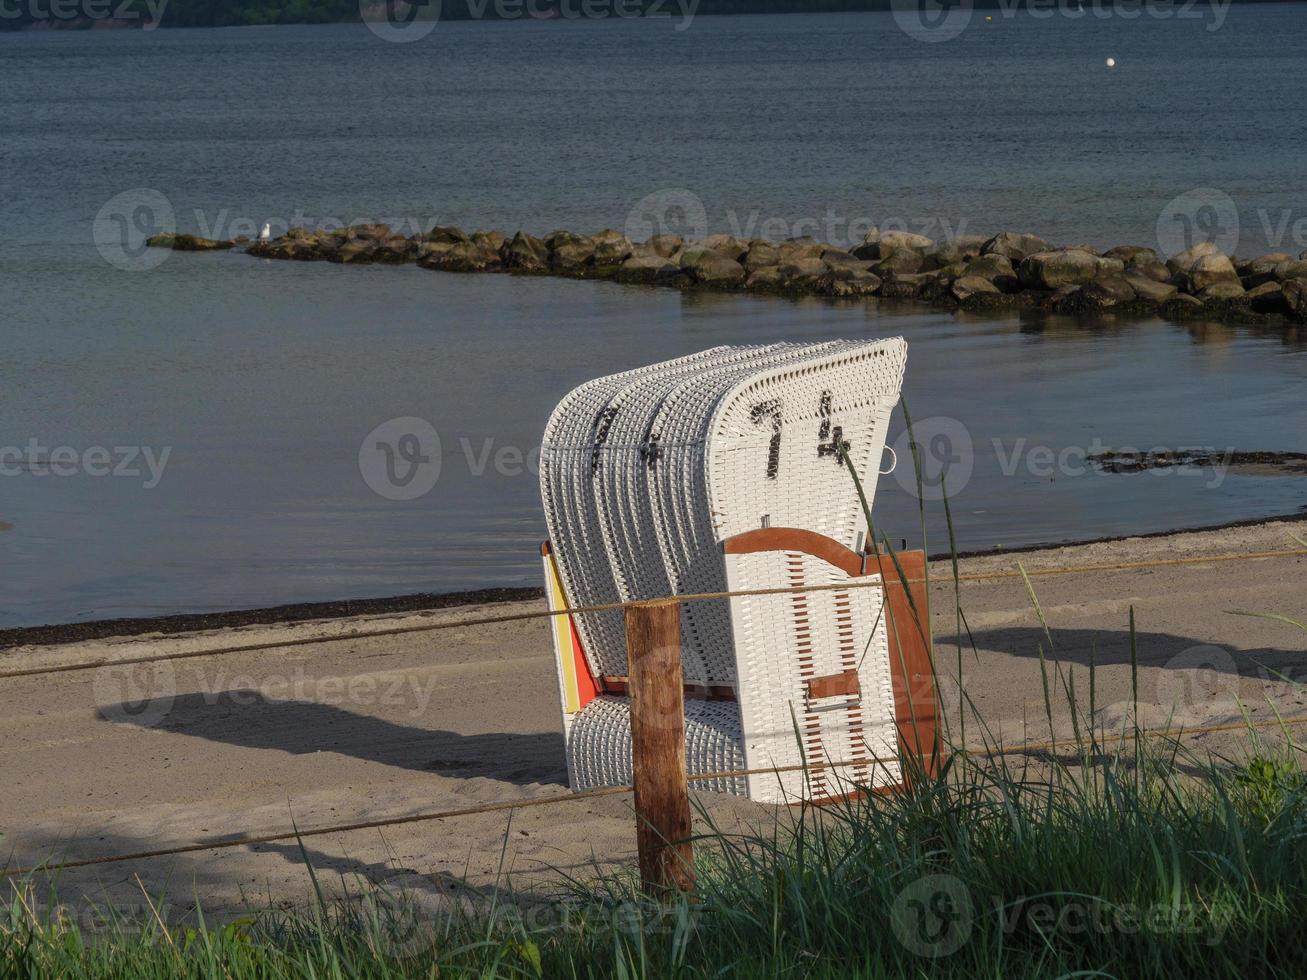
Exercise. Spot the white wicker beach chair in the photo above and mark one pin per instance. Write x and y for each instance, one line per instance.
(645, 475)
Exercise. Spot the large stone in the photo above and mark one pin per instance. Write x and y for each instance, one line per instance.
(354, 251)
(611, 247)
(711, 268)
(1264, 264)
(888, 241)
(801, 273)
(428, 252)
(1150, 289)
(1132, 255)
(648, 267)
(1295, 298)
(1181, 262)
(804, 248)
(447, 235)
(762, 254)
(368, 232)
(996, 268)
(1291, 269)
(967, 286)
(1207, 270)
(489, 240)
(188, 243)
(396, 250)
(1267, 298)
(526, 253)
(1155, 270)
(461, 257)
(854, 284)
(556, 239)
(571, 255)
(727, 245)
(1049, 270)
(845, 266)
(904, 260)
(962, 249)
(1101, 294)
(666, 245)
(1182, 307)
(907, 285)
(1015, 245)
(765, 277)
(1222, 289)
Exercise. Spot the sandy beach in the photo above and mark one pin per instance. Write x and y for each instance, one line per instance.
(360, 729)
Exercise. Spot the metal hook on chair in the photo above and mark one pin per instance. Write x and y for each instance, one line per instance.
(893, 465)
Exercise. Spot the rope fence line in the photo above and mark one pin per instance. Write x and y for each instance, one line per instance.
(615, 606)
(249, 841)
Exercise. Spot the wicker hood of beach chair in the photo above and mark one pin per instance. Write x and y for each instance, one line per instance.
(645, 475)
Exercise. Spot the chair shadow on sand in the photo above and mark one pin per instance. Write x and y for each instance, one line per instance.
(249, 719)
(1112, 647)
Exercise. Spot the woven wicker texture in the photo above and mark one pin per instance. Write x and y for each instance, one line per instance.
(577, 427)
(771, 459)
(618, 473)
(783, 642)
(599, 751)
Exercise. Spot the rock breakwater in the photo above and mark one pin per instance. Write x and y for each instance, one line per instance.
(1007, 270)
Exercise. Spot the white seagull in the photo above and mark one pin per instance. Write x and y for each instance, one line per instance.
(266, 233)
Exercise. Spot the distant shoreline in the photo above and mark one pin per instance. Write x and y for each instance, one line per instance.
(153, 14)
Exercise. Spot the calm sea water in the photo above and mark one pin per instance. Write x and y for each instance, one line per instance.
(260, 381)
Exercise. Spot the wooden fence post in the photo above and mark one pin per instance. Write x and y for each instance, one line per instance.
(662, 796)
